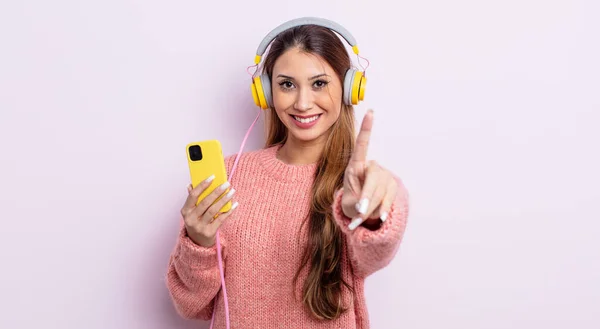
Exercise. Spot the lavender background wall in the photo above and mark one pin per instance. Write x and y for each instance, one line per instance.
(489, 111)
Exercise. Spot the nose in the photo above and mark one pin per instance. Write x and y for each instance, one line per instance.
(304, 101)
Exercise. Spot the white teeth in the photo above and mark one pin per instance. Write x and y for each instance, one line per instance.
(307, 120)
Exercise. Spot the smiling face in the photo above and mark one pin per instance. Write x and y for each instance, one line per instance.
(307, 95)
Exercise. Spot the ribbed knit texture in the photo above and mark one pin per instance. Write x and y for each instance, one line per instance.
(262, 246)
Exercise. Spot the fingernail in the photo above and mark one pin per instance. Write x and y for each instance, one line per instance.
(362, 206)
(210, 179)
(224, 186)
(354, 224)
(230, 193)
(233, 206)
(383, 216)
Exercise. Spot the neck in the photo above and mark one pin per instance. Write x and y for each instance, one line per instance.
(296, 152)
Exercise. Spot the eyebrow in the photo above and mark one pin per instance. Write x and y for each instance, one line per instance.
(312, 78)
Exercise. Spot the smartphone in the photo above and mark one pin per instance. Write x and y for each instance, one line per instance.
(205, 158)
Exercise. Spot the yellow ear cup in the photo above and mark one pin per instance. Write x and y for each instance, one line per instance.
(363, 86)
(254, 94)
(260, 95)
(356, 84)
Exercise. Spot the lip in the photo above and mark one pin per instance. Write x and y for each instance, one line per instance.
(305, 125)
(305, 116)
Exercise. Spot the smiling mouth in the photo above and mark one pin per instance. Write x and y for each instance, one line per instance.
(306, 120)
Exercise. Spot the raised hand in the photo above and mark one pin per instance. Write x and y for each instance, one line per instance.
(369, 189)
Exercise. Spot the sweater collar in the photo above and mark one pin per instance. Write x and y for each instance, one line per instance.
(283, 171)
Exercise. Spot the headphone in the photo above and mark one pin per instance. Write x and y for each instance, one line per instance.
(355, 81)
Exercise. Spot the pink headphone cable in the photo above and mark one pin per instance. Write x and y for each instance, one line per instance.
(218, 242)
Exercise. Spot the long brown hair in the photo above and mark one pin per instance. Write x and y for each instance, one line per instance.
(322, 290)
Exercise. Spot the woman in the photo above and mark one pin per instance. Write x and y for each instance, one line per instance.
(315, 218)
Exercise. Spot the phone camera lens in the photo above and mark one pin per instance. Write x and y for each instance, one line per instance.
(195, 153)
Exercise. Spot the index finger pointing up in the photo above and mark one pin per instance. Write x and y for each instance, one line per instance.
(362, 140)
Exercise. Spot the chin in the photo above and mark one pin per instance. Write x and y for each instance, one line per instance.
(306, 135)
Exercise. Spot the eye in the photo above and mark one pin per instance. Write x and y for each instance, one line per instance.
(320, 84)
(286, 84)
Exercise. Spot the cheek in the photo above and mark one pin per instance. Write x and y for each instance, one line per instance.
(282, 100)
(330, 101)
(335, 113)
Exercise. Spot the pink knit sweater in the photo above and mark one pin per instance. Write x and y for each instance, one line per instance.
(261, 252)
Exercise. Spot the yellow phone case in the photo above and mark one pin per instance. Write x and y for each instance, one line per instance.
(205, 158)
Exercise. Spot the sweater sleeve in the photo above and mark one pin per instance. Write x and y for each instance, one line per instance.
(193, 277)
(370, 251)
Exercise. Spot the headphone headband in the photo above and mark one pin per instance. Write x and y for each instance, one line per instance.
(262, 47)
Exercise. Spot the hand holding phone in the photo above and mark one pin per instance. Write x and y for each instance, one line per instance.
(200, 222)
(209, 201)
